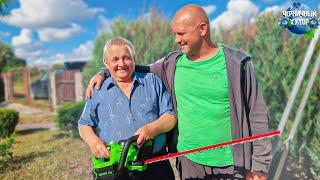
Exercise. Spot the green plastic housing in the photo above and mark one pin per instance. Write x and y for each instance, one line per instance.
(115, 150)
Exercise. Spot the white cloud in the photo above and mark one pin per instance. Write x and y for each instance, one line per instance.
(36, 54)
(84, 51)
(4, 34)
(40, 62)
(31, 51)
(26, 48)
(267, 1)
(273, 9)
(146, 16)
(36, 14)
(81, 53)
(28, 53)
(58, 58)
(277, 9)
(238, 12)
(209, 9)
(104, 24)
(25, 38)
(53, 34)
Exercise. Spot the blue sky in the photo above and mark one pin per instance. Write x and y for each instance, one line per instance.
(55, 31)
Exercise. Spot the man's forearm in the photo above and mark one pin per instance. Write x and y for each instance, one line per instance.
(104, 72)
(164, 123)
(88, 135)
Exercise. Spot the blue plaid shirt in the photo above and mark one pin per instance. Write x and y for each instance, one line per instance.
(118, 117)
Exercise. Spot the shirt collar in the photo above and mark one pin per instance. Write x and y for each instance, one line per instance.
(110, 82)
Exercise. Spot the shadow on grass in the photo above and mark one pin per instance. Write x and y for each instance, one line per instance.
(29, 131)
(18, 161)
(61, 135)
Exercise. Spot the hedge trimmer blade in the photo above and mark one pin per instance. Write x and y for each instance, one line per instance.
(214, 146)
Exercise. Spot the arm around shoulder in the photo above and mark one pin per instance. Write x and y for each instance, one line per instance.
(259, 122)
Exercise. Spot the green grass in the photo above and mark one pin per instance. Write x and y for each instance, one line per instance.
(44, 154)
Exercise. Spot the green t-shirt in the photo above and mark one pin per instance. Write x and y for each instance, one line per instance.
(203, 109)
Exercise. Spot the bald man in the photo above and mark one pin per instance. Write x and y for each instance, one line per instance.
(217, 99)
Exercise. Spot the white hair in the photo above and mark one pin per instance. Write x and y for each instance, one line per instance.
(117, 41)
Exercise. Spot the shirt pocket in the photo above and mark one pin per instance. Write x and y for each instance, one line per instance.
(150, 105)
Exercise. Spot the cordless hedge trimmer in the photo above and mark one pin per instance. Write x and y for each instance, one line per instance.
(126, 157)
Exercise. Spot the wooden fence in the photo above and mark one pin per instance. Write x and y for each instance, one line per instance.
(66, 86)
(9, 91)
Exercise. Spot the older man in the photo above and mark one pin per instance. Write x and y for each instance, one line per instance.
(217, 98)
(128, 103)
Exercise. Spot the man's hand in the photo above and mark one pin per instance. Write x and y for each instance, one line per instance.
(96, 81)
(145, 132)
(256, 176)
(163, 124)
(99, 149)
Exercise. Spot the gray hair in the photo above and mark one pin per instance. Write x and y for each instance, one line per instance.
(117, 41)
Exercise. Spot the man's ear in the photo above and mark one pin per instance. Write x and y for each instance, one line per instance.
(204, 28)
(105, 63)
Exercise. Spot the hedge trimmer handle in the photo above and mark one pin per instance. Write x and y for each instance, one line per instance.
(124, 153)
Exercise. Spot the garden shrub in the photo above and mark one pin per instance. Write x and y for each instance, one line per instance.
(8, 120)
(5, 153)
(68, 116)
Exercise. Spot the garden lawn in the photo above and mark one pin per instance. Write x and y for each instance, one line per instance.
(45, 154)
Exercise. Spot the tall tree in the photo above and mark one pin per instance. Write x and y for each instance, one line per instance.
(5, 53)
(8, 59)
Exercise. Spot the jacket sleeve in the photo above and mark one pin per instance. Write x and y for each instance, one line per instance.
(157, 68)
(104, 72)
(258, 122)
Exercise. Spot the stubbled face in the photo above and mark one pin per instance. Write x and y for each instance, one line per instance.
(187, 36)
(119, 62)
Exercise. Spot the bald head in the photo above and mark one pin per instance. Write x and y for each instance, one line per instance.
(191, 29)
(191, 15)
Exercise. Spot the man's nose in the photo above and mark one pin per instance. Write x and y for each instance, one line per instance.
(121, 62)
(177, 39)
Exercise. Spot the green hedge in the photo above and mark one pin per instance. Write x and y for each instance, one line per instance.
(8, 120)
(68, 116)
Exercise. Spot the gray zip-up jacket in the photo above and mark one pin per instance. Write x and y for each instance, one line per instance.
(249, 114)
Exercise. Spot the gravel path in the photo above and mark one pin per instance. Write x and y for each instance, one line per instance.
(31, 126)
(24, 110)
(30, 111)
